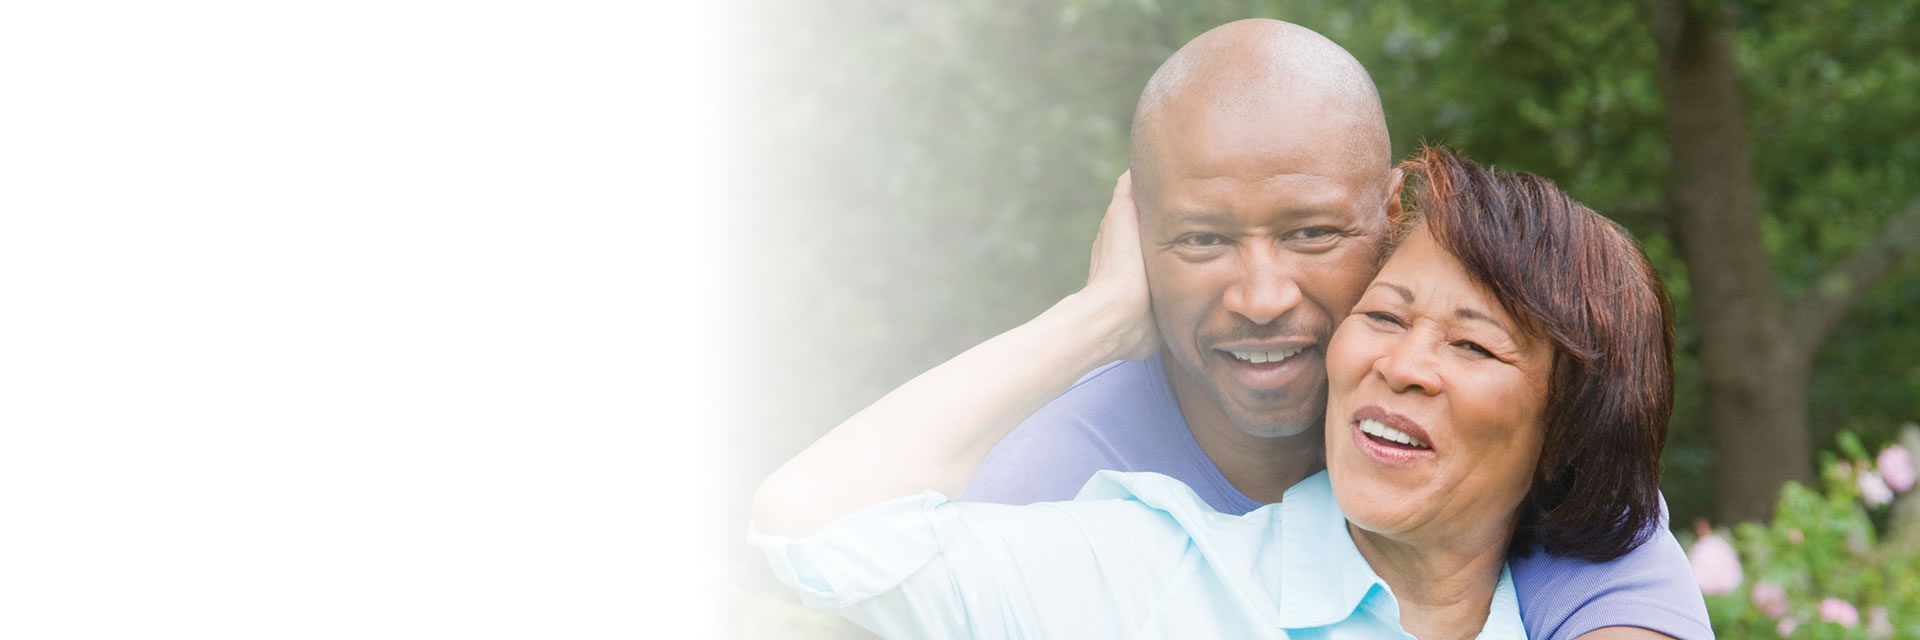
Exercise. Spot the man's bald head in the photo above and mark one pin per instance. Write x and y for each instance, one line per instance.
(1259, 73)
(1262, 173)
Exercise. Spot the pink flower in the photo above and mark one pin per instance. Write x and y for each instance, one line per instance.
(1878, 626)
(1770, 598)
(1794, 536)
(1896, 467)
(1873, 489)
(1715, 565)
(1839, 612)
(1786, 627)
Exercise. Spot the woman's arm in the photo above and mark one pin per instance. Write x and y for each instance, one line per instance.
(932, 432)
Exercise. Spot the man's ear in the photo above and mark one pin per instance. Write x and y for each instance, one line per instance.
(1396, 179)
(1143, 194)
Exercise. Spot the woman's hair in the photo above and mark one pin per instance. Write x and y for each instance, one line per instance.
(1579, 280)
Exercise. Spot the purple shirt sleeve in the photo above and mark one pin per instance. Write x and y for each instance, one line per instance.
(1651, 587)
(1121, 417)
(1053, 453)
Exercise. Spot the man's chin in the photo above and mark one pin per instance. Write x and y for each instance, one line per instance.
(1288, 423)
(1268, 413)
(1271, 430)
(1275, 417)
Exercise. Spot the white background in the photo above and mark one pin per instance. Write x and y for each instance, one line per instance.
(358, 319)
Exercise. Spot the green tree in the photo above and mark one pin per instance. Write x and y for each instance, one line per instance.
(1758, 342)
(1774, 216)
(928, 174)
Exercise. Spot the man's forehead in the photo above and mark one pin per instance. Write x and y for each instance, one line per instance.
(1280, 193)
(1277, 125)
(1296, 167)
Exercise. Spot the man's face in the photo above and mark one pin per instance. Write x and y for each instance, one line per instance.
(1257, 239)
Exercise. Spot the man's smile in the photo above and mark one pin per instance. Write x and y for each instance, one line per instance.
(1263, 357)
(1269, 367)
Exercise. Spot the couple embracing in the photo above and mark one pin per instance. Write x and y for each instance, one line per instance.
(1305, 393)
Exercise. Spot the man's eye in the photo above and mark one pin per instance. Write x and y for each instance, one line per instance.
(1314, 233)
(1203, 240)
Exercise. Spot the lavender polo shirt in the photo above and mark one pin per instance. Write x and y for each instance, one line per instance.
(1123, 417)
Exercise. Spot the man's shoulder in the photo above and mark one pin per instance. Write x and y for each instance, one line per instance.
(1110, 407)
(1120, 416)
(1119, 387)
(1651, 587)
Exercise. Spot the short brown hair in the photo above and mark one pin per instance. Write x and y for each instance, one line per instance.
(1579, 280)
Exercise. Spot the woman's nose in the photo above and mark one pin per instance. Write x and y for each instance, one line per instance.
(1409, 366)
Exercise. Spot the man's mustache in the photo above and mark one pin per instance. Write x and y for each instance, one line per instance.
(1250, 332)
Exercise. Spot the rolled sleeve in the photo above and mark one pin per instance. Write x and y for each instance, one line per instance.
(923, 567)
(883, 568)
(861, 555)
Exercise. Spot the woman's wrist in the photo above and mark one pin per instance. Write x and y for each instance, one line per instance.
(1105, 326)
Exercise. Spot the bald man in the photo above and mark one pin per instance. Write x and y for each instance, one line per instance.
(1262, 171)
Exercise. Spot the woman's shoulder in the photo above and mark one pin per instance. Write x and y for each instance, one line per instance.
(1167, 507)
(1158, 491)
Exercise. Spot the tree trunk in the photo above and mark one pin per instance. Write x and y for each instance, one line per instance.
(1756, 367)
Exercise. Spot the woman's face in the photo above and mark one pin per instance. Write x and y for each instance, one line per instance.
(1435, 404)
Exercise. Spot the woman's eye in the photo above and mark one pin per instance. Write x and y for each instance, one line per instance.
(1382, 316)
(1476, 349)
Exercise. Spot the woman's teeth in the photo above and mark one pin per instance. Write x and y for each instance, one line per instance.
(1262, 357)
(1384, 432)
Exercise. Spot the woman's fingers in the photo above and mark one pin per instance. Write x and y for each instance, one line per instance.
(1118, 273)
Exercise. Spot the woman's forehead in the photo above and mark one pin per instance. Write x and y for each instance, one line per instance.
(1422, 274)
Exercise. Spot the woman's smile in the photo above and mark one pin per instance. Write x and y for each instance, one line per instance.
(1389, 438)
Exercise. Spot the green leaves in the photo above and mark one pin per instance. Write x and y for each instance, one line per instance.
(1819, 545)
(932, 173)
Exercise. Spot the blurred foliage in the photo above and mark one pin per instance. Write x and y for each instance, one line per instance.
(1826, 547)
(931, 174)
(926, 175)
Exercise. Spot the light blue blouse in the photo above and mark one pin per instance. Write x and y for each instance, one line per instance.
(1135, 555)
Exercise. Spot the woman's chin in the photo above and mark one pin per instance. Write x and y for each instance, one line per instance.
(1373, 505)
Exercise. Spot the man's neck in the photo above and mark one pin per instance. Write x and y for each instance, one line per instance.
(1260, 468)
(1444, 588)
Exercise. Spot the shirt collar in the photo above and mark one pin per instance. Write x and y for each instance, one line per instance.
(1324, 578)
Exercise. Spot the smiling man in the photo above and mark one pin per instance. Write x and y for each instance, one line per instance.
(1262, 175)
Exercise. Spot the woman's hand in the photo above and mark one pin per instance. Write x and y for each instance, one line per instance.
(1117, 279)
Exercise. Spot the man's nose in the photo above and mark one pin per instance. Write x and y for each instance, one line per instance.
(1266, 288)
(1408, 365)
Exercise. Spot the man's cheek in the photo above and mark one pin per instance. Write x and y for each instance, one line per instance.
(1179, 322)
